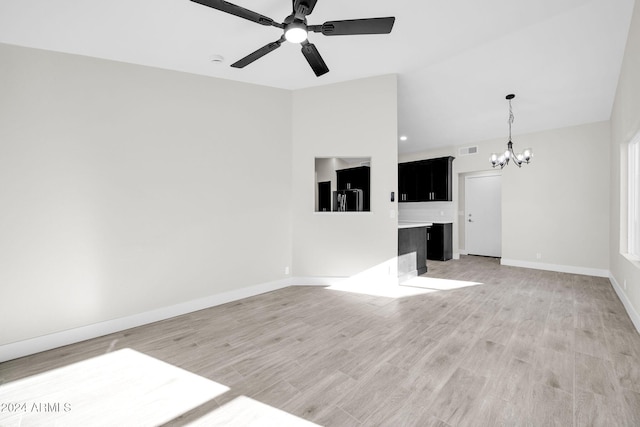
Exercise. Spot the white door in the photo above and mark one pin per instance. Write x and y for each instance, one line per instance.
(483, 215)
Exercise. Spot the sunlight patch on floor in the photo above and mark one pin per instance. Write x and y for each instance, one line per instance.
(436, 284)
(244, 411)
(377, 288)
(116, 389)
(126, 387)
(382, 281)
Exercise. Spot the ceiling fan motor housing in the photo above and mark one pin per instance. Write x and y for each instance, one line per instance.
(293, 20)
(295, 29)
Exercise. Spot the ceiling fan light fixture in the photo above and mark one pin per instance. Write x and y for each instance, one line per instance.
(295, 32)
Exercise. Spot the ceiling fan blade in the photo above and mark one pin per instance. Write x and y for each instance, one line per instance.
(238, 11)
(355, 26)
(303, 8)
(258, 53)
(314, 59)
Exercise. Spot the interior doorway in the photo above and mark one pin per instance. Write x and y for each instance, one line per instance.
(324, 196)
(483, 215)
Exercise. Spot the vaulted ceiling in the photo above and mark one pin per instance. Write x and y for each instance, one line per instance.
(455, 59)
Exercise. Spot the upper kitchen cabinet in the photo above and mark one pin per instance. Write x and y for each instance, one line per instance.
(426, 180)
(441, 179)
(407, 182)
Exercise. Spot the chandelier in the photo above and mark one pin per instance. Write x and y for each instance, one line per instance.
(503, 159)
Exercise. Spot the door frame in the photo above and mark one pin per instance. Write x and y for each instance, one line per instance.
(478, 174)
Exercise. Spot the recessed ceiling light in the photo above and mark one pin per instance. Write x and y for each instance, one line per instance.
(217, 59)
(403, 138)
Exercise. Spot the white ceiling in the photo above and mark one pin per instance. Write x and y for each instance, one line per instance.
(455, 59)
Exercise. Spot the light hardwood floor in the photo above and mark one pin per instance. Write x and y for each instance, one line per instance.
(526, 347)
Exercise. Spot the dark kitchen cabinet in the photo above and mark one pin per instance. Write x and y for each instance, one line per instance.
(426, 180)
(408, 182)
(441, 179)
(357, 178)
(440, 242)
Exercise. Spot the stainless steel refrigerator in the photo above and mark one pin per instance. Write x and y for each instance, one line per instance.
(348, 200)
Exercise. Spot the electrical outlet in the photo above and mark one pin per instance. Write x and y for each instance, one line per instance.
(625, 284)
(538, 255)
(286, 270)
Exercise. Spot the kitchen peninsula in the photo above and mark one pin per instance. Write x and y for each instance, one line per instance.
(412, 249)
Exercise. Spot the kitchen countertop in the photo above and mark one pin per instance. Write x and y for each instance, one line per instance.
(406, 224)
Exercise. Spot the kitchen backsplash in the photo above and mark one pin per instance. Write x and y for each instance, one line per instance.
(426, 211)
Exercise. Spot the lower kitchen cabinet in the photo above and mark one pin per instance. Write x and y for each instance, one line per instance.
(440, 242)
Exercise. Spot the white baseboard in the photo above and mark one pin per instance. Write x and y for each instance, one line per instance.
(633, 314)
(315, 281)
(71, 336)
(556, 267)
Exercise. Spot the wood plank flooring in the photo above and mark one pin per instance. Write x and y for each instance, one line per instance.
(524, 348)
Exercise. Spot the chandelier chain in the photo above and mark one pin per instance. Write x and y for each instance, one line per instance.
(510, 119)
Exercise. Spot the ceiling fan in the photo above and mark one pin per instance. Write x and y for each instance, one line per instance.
(296, 29)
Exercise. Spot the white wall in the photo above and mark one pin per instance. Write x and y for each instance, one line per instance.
(125, 189)
(554, 206)
(625, 123)
(353, 119)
